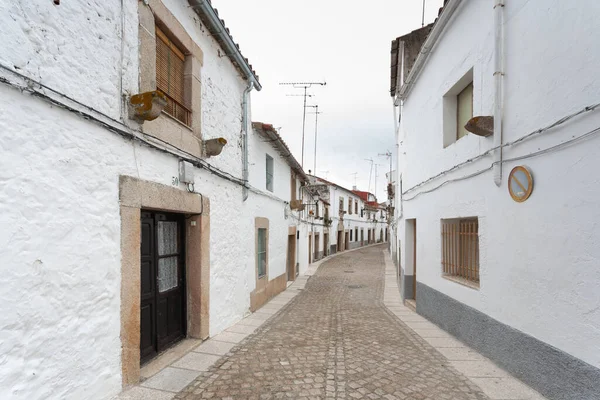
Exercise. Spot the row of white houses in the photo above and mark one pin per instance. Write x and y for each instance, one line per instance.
(495, 230)
(139, 204)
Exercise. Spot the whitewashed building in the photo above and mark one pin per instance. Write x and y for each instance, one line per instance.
(502, 257)
(353, 218)
(135, 198)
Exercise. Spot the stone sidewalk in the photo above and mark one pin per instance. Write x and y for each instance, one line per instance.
(343, 335)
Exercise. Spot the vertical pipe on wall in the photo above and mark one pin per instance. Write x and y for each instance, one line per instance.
(245, 119)
(498, 86)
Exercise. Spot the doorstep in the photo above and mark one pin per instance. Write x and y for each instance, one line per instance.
(173, 370)
(496, 383)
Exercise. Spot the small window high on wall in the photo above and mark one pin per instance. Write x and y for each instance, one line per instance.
(458, 109)
(269, 171)
(170, 79)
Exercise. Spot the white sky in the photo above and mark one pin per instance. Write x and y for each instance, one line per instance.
(345, 43)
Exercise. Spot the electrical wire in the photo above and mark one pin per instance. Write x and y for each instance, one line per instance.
(512, 143)
(121, 129)
(523, 157)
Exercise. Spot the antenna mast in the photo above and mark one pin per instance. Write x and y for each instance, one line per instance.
(305, 86)
(388, 154)
(370, 173)
(355, 175)
(317, 112)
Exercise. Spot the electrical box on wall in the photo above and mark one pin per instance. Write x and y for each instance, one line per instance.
(186, 172)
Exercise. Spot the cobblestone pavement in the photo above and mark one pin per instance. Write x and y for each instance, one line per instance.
(336, 340)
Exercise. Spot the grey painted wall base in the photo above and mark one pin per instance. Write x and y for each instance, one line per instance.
(552, 372)
(333, 249)
(407, 291)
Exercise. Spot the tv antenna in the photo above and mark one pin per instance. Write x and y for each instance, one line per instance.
(317, 112)
(305, 86)
(388, 154)
(355, 175)
(370, 174)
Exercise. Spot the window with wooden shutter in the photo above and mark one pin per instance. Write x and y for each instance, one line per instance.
(170, 66)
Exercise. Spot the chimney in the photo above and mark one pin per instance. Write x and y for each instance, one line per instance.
(354, 187)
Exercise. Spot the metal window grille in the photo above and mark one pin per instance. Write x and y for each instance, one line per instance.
(269, 170)
(170, 67)
(460, 248)
(349, 206)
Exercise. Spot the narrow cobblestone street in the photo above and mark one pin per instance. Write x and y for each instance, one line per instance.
(335, 340)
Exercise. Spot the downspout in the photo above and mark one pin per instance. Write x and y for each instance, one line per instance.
(245, 119)
(498, 86)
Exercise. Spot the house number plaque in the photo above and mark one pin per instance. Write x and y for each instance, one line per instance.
(520, 183)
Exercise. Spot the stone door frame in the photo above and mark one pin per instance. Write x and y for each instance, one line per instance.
(134, 195)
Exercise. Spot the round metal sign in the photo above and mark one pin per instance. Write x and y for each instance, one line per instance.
(520, 183)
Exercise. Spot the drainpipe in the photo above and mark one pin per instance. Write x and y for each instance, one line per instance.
(245, 119)
(498, 81)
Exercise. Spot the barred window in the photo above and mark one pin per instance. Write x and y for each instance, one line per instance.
(170, 67)
(460, 249)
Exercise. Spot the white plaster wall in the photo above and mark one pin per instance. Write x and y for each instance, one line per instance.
(60, 246)
(274, 209)
(74, 47)
(538, 259)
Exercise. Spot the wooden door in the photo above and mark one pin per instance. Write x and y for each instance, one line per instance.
(310, 248)
(317, 246)
(347, 241)
(291, 257)
(415, 259)
(162, 311)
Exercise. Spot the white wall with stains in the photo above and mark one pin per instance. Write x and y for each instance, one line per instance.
(60, 258)
(538, 259)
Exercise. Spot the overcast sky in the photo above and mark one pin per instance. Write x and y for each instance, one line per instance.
(345, 43)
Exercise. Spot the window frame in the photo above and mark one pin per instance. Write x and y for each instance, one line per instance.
(460, 250)
(450, 109)
(263, 252)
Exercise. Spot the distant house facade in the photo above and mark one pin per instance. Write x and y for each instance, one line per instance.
(496, 235)
(355, 218)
